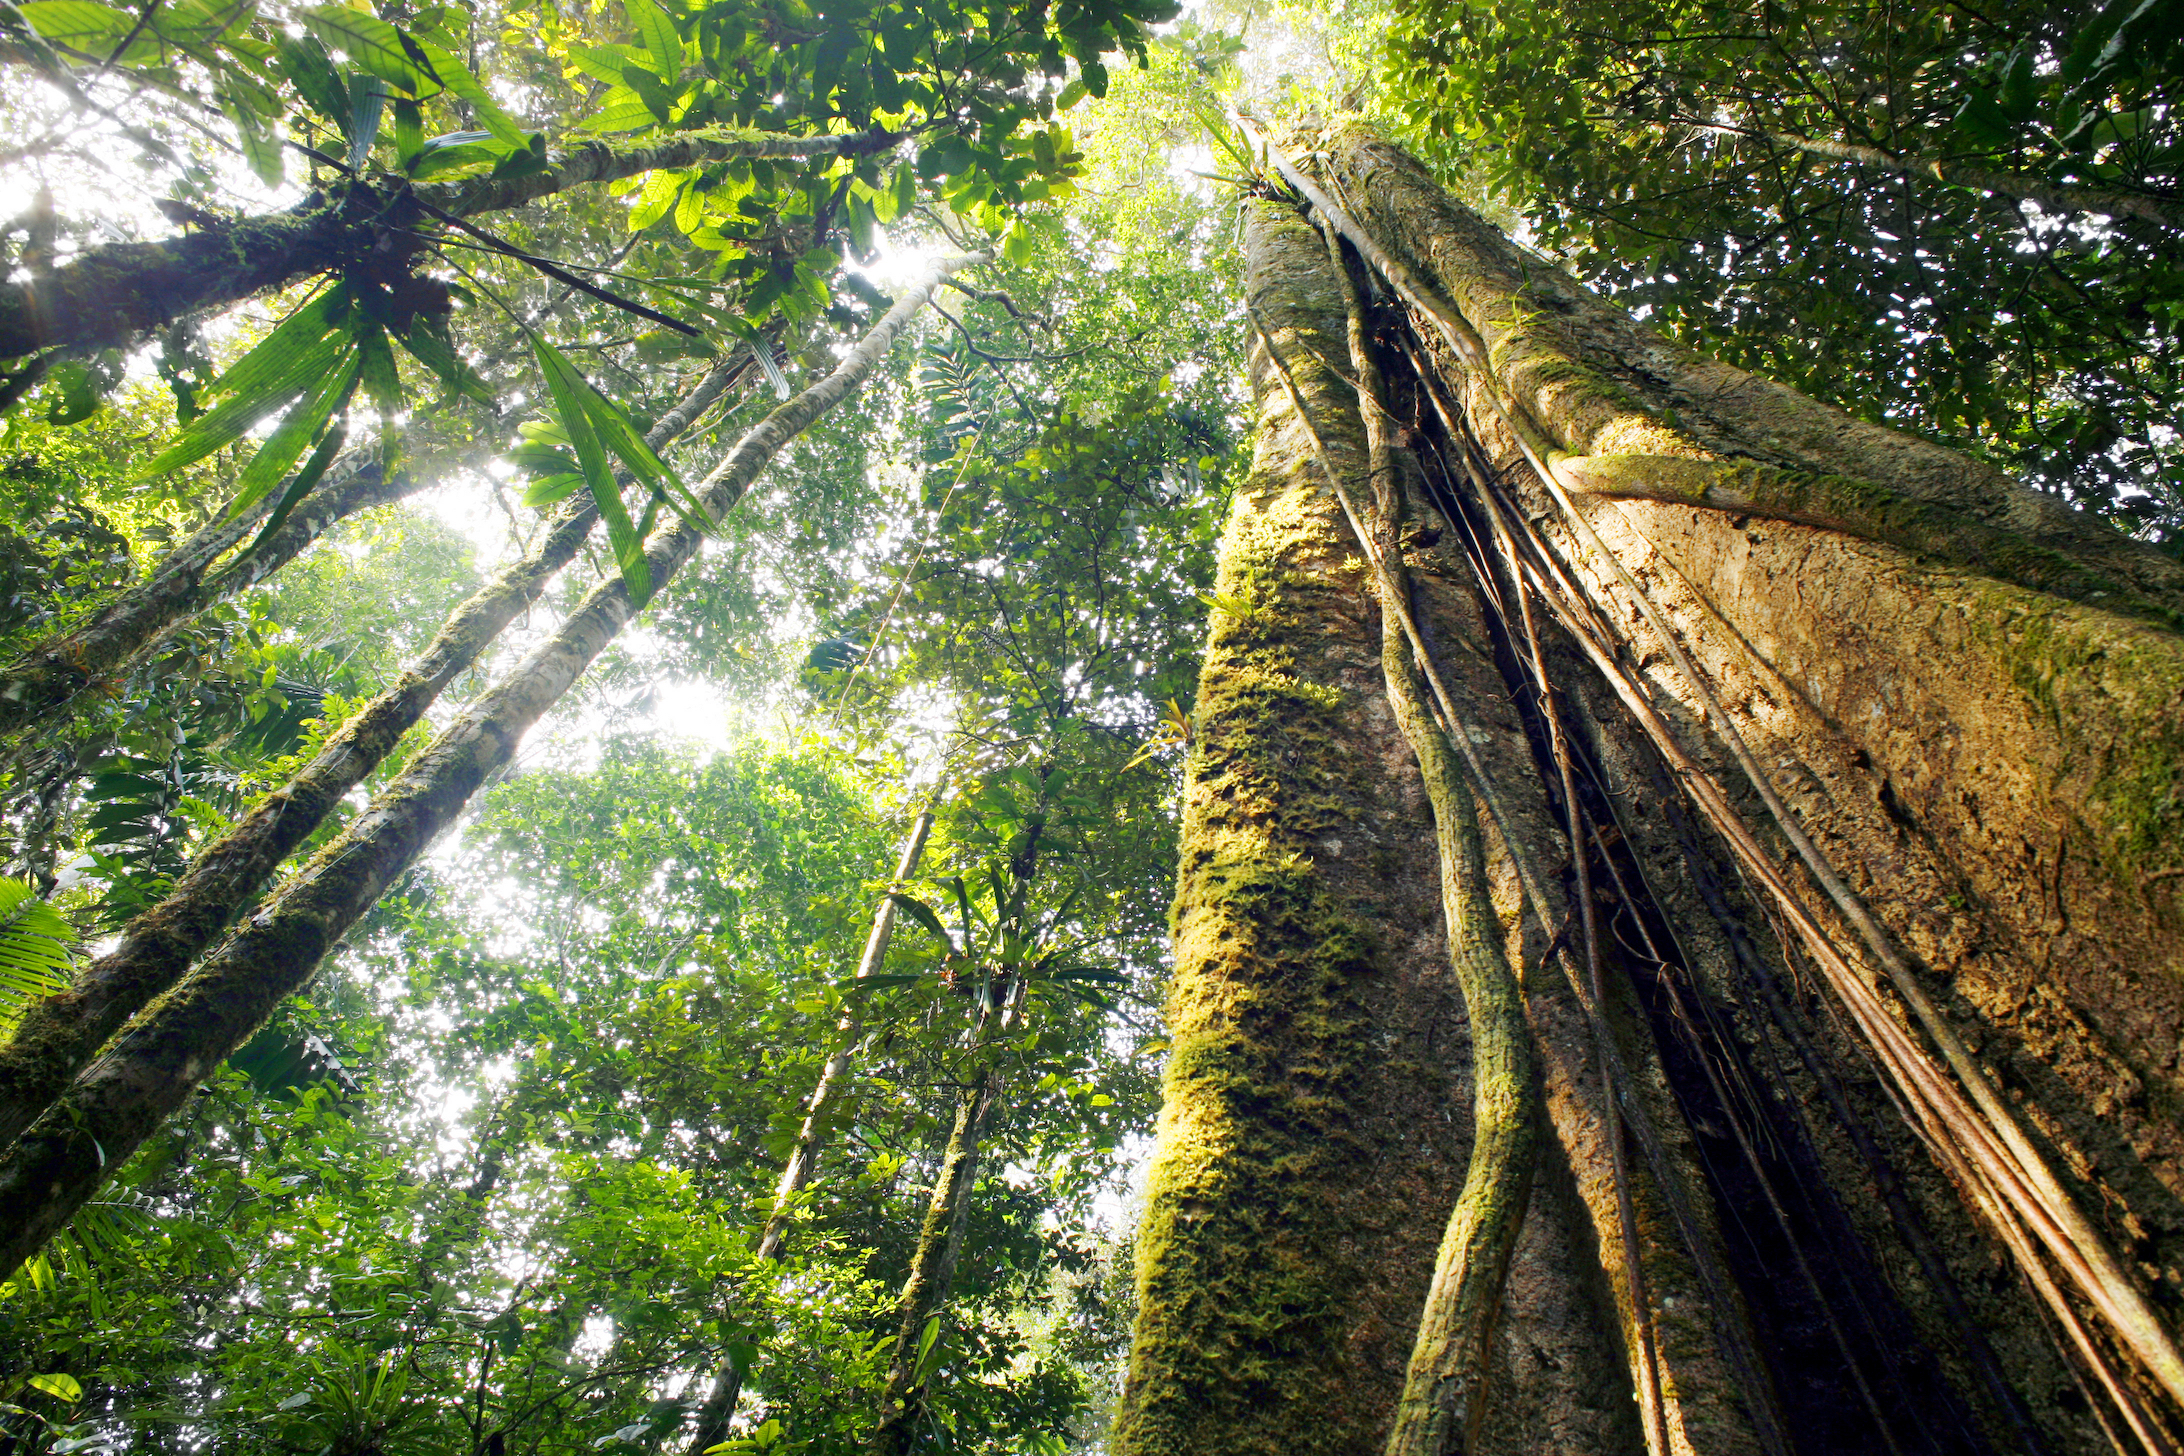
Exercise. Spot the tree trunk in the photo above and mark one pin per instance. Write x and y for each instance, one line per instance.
(154, 1065)
(719, 1407)
(47, 680)
(1965, 710)
(931, 1279)
(60, 1034)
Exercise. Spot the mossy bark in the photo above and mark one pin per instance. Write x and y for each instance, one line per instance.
(1317, 1124)
(45, 681)
(110, 297)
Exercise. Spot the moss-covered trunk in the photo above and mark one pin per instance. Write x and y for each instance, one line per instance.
(59, 1034)
(1914, 728)
(114, 1104)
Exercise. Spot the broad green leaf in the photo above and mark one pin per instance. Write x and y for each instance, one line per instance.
(924, 915)
(548, 489)
(373, 44)
(454, 151)
(60, 1387)
(409, 132)
(303, 60)
(661, 188)
(306, 481)
(75, 395)
(620, 116)
(568, 389)
(657, 95)
(83, 25)
(458, 80)
(296, 431)
(272, 375)
(382, 381)
(436, 354)
(659, 37)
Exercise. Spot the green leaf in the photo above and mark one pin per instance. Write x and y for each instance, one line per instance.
(902, 193)
(382, 381)
(75, 394)
(409, 132)
(548, 489)
(367, 103)
(60, 1387)
(455, 150)
(297, 430)
(924, 915)
(658, 34)
(658, 97)
(1070, 95)
(458, 80)
(306, 481)
(289, 361)
(621, 116)
(303, 60)
(436, 354)
(82, 25)
(622, 437)
(1982, 119)
(374, 45)
(568, 389)
(37, 955)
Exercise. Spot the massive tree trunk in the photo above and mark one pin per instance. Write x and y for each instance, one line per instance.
(1861, 1076)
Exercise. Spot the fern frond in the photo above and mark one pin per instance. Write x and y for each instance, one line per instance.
(37, 950)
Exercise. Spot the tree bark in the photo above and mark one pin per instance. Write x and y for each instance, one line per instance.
(940, 1243)
(110, 297)
(51, 677)
(931, 1279)
(149, 1071)
(60, 1034)
(1795, 637)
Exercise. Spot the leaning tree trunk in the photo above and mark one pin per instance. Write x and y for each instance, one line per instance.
(59, 1034)
(154, 1065)
(1860, 1064)
(55, 674)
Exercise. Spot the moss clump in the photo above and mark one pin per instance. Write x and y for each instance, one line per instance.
(1238, 1259)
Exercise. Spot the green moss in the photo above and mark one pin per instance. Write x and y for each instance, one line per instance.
(1244, 1278)
(2113, 694)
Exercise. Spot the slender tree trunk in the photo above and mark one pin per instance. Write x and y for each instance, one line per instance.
(940, 1244)
(110, 297)
(721, 1396)
(811, 1138)
(948, 1211)
(1834, 709)
(52, 677)
(149, 1071)
(60, 1034)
